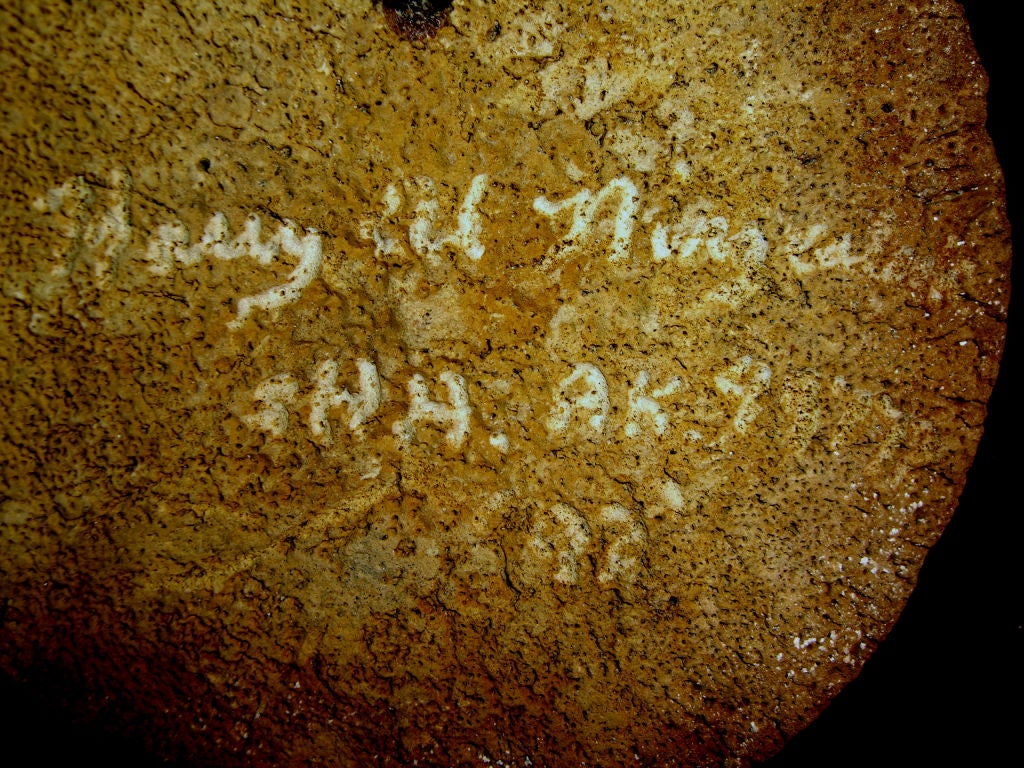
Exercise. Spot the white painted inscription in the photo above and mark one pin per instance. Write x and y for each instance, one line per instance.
(643, 407)
(607, 542)
(585, 206)
(626, 547)
(584, 389)
(424, 236)
(560, 534)
(171, 246)
(454, 416)
(97, 220)
(562, 537)
(104, 233)
(746, 380)
(836, 253)
(327, 396)
(274, 396)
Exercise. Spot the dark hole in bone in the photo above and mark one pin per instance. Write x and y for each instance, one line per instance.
(416, 19)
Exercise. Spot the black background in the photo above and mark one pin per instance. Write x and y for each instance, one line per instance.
(946, 685)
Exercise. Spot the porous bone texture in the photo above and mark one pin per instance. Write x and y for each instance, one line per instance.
(582, 384)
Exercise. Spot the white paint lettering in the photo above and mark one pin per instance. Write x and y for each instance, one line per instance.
(275, 394)
(593, 398)
(585, 205)
(171, 246)
(428, 242)
(745, 380)
(423, 409)
(309, 249)
(624, 554)
(327, 396)
(560, 534)
(641, 404)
